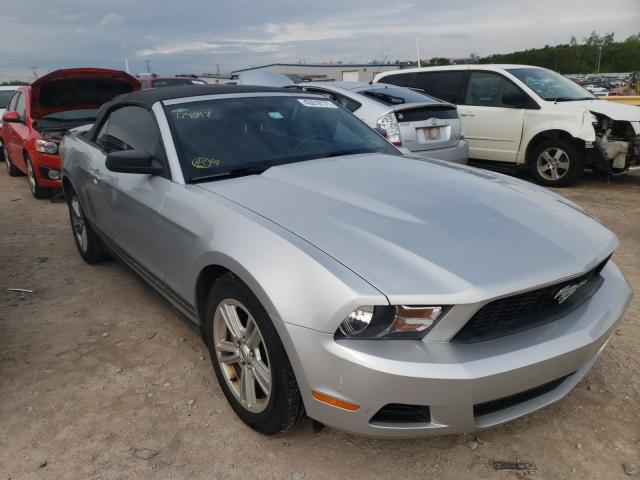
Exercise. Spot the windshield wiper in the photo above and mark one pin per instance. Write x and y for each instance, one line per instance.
(567, 99)
(234, 172)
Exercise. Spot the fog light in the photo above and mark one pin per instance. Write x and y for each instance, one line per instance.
(53, 174)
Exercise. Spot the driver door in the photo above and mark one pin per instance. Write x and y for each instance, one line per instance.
(126, 205)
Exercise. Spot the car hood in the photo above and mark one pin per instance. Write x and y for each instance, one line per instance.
(78, 89)
(613, 110)
(426, 231)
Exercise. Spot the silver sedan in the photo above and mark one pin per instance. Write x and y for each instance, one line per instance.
(419, 125)
(333, 277)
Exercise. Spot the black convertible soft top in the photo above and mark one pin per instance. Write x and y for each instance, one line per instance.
(146, 98)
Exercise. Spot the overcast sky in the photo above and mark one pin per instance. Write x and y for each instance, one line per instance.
(194, 36)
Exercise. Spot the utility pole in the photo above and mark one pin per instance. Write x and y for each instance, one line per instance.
(35, 72)
(418, 53)
(599, 57)
(148, 66)
(126, 65)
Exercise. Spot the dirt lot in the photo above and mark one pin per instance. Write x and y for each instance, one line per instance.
(96, 371)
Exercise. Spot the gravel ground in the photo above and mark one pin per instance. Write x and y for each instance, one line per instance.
(99, 378)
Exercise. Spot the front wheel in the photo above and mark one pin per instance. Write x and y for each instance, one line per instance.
(556, 163)
(249, 359)
(12, 170)
(36, 190)
(89, 245)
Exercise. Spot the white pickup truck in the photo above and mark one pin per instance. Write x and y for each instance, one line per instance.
(524, 116)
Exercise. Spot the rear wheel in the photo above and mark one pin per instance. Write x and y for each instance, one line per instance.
(556, 163)
(89, 245)
(36, 190)
(12, 170)
(249, 359)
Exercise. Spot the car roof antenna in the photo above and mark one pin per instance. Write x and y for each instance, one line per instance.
(379, 68)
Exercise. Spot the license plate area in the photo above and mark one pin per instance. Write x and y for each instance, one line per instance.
(431, 133)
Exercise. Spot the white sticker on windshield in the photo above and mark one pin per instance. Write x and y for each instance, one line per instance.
(308, 102)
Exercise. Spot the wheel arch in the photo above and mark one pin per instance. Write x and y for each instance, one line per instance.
(554, 134)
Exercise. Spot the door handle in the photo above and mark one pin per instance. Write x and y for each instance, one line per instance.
(467, 114)
(95, 178)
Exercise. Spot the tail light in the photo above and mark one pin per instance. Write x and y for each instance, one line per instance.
(390, 124)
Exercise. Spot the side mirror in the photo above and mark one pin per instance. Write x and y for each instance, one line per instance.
(381, 131)
(133, 161)
(11, 117)
(514, 99)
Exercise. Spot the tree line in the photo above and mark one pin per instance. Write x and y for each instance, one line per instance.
(595, 53)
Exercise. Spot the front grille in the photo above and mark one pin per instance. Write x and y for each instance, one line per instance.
(523, 311)
(402, 413)
(503, 403)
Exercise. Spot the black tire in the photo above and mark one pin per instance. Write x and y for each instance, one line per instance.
(36, 190)
(563, 158)
(12, 170)
(284, 408)
(90, 247)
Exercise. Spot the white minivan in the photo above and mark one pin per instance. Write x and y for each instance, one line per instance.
(524, 116)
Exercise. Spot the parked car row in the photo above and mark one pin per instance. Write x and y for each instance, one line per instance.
(38, 116)
(332, 276)
(329, 274)
(530, 117)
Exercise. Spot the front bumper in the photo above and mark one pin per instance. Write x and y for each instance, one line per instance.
(459, 153)
(42, 163)
(452, 378)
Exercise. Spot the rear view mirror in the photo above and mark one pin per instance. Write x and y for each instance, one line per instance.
(11, 117)
(514, 99)
(133, 161)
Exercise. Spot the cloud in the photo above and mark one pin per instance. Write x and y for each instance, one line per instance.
(110, 20)
(201, 35)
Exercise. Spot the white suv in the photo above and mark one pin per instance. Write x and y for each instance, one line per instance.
(519, 115)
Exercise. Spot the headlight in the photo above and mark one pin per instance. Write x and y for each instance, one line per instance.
(43, 146)
(389, 322)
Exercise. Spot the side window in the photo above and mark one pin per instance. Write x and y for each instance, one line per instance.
(348, 103)
(100, 137)
(129, 128)
(486, 89)
(13, 101)
(21, 106)
(445, 85)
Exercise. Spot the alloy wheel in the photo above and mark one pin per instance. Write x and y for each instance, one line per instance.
(553, 163)
(79, 226)
(242, 355)
(32, 177)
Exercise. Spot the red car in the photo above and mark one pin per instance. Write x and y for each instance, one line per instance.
(38, 116)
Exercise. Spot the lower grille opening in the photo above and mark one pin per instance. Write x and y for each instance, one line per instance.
(402, 413)
(503, 403)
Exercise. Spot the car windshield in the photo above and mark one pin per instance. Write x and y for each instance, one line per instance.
(397, 95)
(5, 96)
(215, 138)
(550, 85)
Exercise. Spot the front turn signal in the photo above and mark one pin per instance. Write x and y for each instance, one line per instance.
(334, 402)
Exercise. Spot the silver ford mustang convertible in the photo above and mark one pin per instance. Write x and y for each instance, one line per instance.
(333, 277)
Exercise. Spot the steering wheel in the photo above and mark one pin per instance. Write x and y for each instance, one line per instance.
(308, 140)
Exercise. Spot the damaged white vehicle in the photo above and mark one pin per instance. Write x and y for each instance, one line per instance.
(524, 116)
